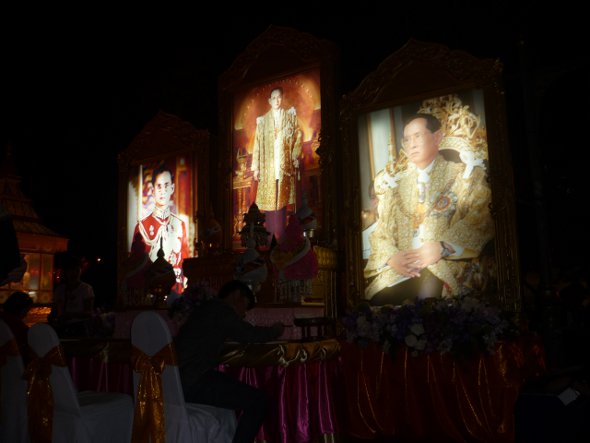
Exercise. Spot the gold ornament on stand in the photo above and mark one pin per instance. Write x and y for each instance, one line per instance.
(254, 228)
(251, 265)
(161, 279)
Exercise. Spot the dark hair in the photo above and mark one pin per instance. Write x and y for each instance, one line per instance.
(237, 285)
(276, 88)
(432, 123)
(17, 303)
(160, 170)
(71, 262)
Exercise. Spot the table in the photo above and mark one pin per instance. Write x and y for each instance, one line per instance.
(260, 315)
(301, 379)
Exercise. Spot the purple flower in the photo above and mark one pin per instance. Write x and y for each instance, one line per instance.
(459, 325)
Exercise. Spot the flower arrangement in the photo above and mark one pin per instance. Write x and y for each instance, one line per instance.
(192, 297)
(460, 325)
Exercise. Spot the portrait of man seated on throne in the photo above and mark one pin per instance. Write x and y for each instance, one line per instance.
(429, 231)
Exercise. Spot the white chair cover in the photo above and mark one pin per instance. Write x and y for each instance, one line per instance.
(13, 394)
(185, 422)
(86, 416)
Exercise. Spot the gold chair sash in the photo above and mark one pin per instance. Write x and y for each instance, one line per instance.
(148, 420)
(8, 349)
(40, 394)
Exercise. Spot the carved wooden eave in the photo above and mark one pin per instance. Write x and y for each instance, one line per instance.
(283, 46)
(167, 130)
(32, 234)
(445, 69)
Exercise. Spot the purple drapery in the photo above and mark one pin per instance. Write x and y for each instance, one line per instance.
(302, 406)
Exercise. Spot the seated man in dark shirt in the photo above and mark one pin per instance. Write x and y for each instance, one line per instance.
(199, 344)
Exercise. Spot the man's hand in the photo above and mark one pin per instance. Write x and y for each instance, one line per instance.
(406, 263)
(429, 253)
(256, 174)
(410, 263)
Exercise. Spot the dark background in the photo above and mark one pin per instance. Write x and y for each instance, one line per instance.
(70, 104)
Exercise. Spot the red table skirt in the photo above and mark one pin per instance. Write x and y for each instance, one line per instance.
(302, 407)
(436, 398)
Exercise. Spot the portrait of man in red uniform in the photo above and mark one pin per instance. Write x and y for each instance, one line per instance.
(164, 227)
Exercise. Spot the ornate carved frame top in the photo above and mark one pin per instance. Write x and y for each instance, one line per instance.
(165, 134)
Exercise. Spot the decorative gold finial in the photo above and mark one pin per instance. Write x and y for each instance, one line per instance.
(254, 227)
(161, 278)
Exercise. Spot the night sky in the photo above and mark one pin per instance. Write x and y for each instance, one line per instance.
(70, 105)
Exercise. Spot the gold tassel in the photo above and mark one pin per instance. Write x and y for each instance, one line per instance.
(40, 394)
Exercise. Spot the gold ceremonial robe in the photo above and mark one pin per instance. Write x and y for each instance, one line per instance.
(288, 138)
(455, 211)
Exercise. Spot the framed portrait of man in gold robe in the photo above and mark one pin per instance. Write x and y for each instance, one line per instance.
(277, 114)
(433, 207)
(275, 134)
(425, 167)
(277, 142)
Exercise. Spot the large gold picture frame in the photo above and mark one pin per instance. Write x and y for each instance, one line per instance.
(167, 143)
(252, 115)
(465, 94)
(302, 66)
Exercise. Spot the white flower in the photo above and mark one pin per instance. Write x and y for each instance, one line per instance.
(460, 321)
(391, 328)
(363, 326)
(420, 344)
(411, 340)
(417, 329)
(445, 346)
